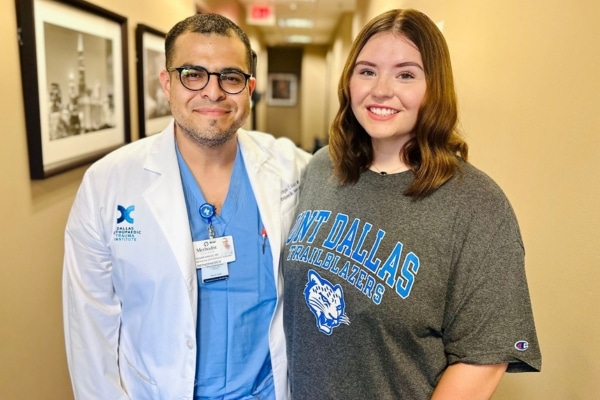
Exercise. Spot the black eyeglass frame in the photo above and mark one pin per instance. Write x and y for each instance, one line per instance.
(217, 74)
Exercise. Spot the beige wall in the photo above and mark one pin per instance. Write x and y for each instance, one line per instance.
(284, 120)
(315, 96)
(527, 79)
(336, 58)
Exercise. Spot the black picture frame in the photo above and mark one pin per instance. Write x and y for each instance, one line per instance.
(154, 113)
(74, 75)
(282, 90)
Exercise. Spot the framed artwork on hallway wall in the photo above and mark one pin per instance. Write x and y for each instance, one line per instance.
(75, 83)
(153, 107)
(282, 90)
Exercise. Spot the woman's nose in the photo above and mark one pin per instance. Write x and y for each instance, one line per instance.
(382, 87)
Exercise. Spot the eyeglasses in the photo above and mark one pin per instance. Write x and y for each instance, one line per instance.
(197, 78)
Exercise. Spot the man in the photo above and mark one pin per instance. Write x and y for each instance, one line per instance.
(154, 307)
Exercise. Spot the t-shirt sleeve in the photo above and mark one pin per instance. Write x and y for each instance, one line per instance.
(489, 317)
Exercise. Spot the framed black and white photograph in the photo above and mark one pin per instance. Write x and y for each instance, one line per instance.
(75, 82)
(154, 111)
(282, 90)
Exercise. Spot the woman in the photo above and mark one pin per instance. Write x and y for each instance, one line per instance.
(404, 273)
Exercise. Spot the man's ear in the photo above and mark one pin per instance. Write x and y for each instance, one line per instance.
(251, 85)
(165, 82)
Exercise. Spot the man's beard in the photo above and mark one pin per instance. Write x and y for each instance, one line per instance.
(212, 137)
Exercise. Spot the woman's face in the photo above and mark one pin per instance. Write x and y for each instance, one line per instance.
(387, 88)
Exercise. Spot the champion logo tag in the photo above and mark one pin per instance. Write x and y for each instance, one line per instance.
(522, 345)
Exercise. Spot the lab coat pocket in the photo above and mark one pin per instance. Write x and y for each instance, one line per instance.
(137, 384)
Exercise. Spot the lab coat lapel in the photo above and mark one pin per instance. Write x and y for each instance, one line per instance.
(167, 203)
(266, 185)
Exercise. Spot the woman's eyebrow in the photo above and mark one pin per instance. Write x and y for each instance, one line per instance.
(399, 65)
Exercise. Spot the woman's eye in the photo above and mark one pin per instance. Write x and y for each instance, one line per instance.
(406, 75)
(366, 72)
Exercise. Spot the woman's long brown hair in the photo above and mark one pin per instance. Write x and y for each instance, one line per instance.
(433, 153)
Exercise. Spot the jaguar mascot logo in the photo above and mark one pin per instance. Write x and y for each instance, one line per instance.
(326, 302)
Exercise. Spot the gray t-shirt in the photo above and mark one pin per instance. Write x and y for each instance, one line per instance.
(383, 292)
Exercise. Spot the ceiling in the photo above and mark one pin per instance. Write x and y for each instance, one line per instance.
(324, 14)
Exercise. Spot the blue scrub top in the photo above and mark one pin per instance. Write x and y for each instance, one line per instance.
(234, 315)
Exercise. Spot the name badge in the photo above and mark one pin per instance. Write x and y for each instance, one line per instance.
(214, 251)
(215, 273)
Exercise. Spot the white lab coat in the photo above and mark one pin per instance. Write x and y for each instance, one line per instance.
(130, 290)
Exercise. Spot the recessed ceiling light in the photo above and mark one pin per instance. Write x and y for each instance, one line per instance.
(296, 23)
(299, 39)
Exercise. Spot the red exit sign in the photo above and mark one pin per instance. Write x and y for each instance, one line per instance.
(258, 14)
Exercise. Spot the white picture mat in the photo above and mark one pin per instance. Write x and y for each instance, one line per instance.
(63, 150)
(157, 44)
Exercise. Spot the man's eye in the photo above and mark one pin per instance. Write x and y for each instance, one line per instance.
(231, 78)
(192, 74)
